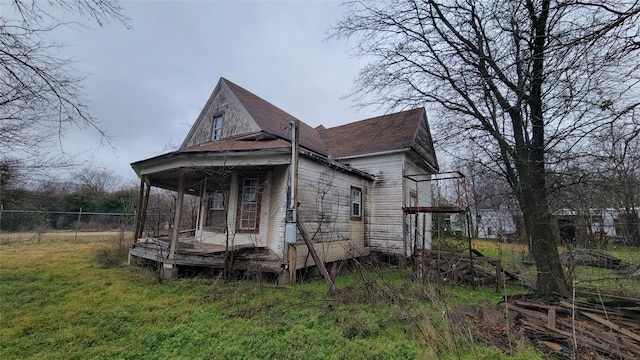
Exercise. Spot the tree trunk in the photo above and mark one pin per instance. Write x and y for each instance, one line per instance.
(540, 229)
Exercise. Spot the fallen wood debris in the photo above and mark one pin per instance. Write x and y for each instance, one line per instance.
(589, 257)
(457, 267)
(556, 326)
(579, 329)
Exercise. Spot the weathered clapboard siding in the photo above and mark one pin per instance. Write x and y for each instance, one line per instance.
(277, 210)
(422, 142)
(330, 251)
(236, 120)
(385, 216)
(325, 203)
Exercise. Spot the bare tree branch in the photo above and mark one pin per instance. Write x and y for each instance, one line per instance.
(41, 94)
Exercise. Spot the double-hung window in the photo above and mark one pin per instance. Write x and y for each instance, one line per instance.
(216, 133)
(216, 216)
(356, 202)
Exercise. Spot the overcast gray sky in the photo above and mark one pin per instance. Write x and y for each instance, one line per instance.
(148, 84)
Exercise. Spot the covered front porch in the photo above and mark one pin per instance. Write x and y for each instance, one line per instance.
(193, 253)
(241, 208)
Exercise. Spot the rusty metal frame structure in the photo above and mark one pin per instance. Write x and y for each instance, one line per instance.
(460, 207)
(462, 203)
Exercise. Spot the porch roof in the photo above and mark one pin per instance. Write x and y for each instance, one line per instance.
(197, 162)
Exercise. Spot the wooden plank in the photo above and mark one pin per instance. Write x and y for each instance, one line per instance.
(176, 221)
(293, 257)
(316, 258)
(611, 325)
(551, 317)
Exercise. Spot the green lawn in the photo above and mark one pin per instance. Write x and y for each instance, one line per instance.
(57, 302)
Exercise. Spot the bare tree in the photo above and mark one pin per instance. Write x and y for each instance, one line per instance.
(95, 181)
(617, 175)
(40, 91)
(525, 81)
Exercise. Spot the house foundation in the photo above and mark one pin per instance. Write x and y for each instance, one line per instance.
(168, 271)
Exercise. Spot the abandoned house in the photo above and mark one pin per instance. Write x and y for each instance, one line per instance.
(265, 180)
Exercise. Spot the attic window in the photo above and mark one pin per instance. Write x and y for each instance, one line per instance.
(216, 134)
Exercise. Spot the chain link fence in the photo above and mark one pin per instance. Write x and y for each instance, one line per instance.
(42, 221)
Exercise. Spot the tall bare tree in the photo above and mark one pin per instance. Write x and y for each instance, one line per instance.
(41, 94)
(617, 175)
(524, 80)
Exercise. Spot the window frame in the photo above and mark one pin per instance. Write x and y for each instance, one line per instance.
(353, 201)
(216, 217)
(212, 199)
(218, 118)
(255, 201)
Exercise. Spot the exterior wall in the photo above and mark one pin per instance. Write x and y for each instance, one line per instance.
(417, 227)
(236, 120)
(278, 210)
(390, 231)
(259, 239)
(494, 224)
(385, 201)
(324, 195)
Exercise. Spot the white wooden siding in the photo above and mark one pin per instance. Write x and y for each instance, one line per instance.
(423, 190)
(324, 195)
(330, 251)
(278, 210)
(385, 201)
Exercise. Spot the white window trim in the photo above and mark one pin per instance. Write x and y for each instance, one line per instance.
(212, 201)
(217, 130)
(356, 200)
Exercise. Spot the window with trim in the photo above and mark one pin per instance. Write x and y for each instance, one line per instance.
(216, 217)
(216, 133)
(413, 198)
(356, 202)
(249, 204)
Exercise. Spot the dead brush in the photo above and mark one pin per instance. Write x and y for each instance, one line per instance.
(440, 335)
(114, 253)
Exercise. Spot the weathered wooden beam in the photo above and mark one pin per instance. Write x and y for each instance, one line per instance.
(139, 213)
(611, 325)
(145, 205)
(176, 222)
(316, 258)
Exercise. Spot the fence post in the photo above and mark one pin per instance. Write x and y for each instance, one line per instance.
(78, 225)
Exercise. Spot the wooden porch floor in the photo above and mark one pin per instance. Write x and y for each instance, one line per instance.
(195, 253)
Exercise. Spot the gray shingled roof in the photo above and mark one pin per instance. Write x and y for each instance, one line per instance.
(382, 133)
(378, 134)
(276, 121)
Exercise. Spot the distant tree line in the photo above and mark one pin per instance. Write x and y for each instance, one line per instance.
(100, 200)
(52, 204)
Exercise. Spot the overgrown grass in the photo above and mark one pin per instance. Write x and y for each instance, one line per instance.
(515, 258)
(58, 302)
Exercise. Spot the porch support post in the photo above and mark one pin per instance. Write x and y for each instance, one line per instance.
(169, 268)
(293, 198)
(145, 205)
(139, 220)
